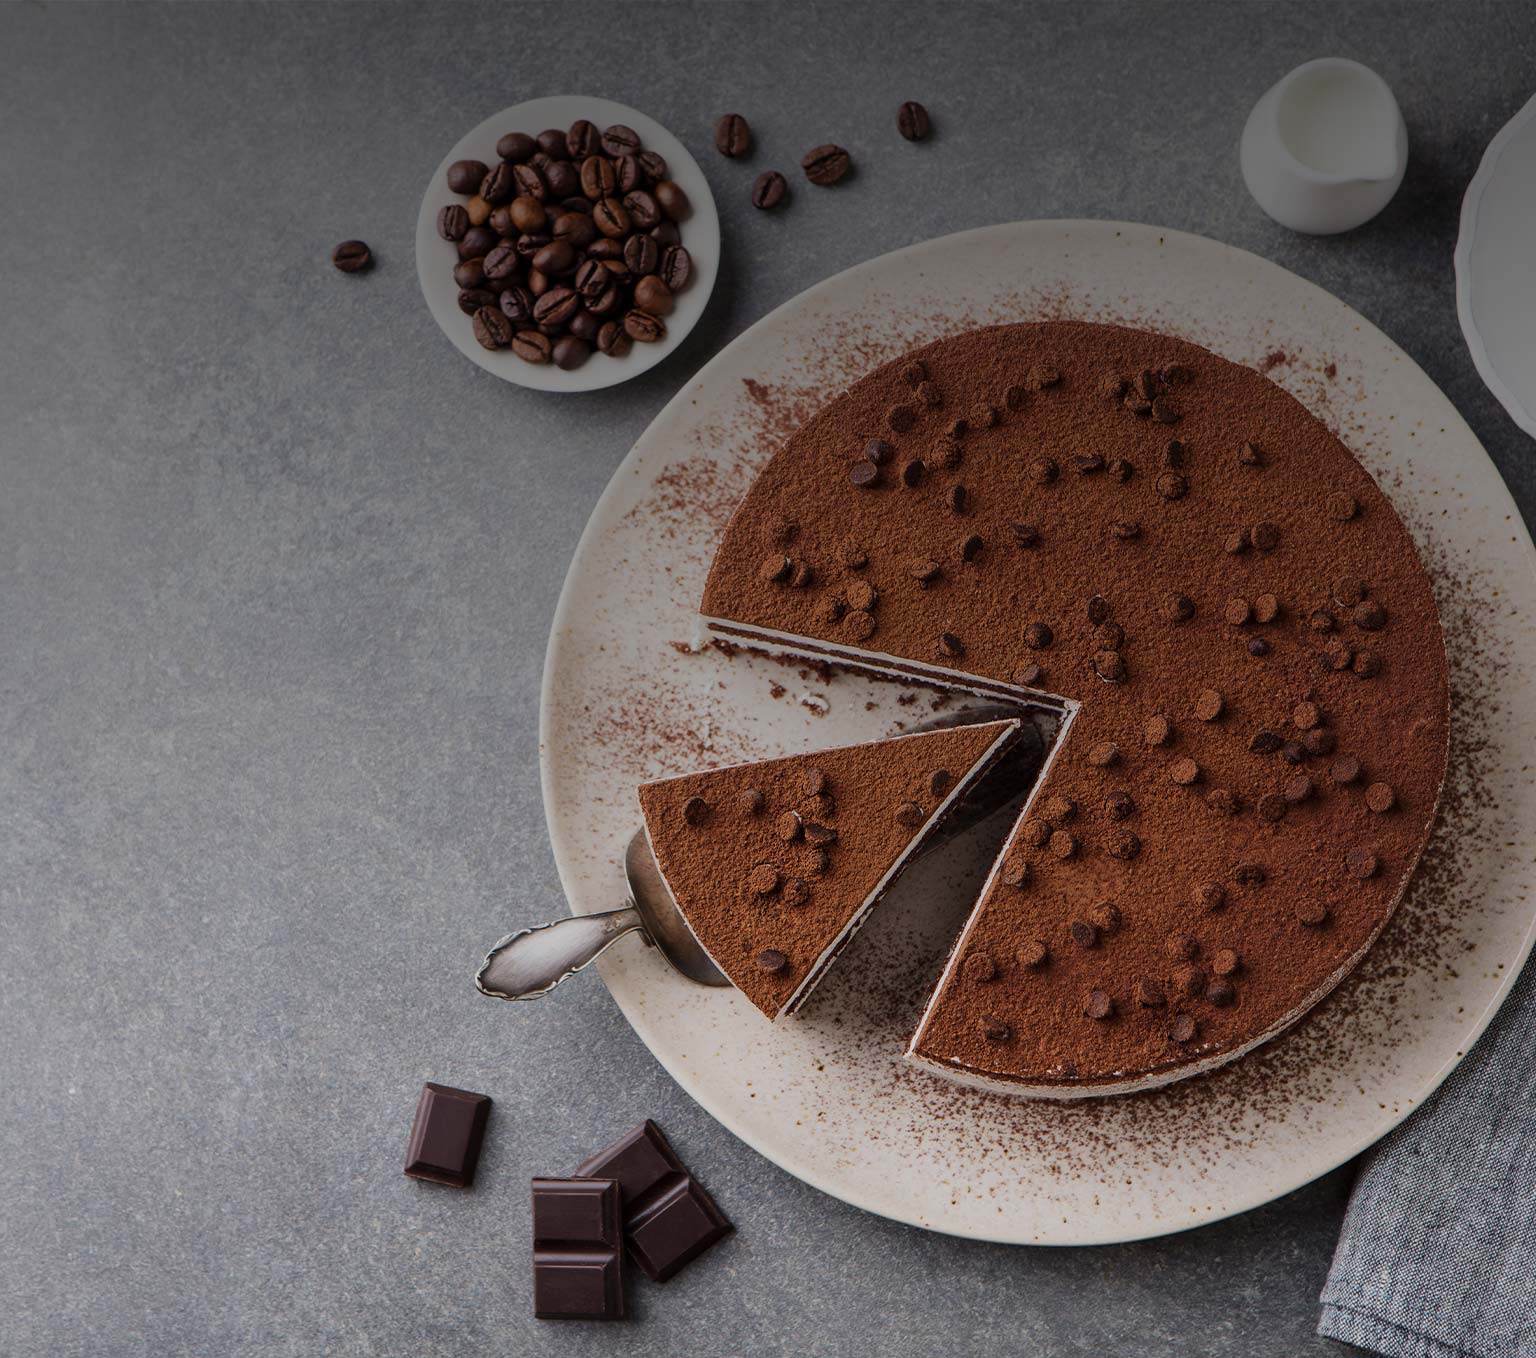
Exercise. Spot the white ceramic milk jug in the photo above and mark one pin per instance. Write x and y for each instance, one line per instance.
(1325, 148)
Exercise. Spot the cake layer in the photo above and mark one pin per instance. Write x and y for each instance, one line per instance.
(775, 864)
(1176, 550)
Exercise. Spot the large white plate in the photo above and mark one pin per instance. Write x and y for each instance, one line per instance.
(825, 1095)
(436, 257)
(1495, 280)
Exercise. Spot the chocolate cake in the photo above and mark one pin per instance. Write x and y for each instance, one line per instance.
(1171, 552)
(776, 864)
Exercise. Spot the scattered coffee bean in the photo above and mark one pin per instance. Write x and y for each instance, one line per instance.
(912, 121)
(653, 296)
(826, 165)
(672, 200)
(453, 222)
(769, 189)
(492, 329)
(570, 352)
(733, 136)
(352, 256)
(532, 346)
(643, 328)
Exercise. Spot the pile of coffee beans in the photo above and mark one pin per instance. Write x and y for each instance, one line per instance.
(823, 165)
(569, 243)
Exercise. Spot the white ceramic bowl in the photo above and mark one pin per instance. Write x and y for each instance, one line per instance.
(1496, 267)
(436, 257)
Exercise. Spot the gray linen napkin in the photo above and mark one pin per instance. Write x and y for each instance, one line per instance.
(1437, 1258)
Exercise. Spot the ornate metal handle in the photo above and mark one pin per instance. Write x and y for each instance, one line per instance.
(532, 962)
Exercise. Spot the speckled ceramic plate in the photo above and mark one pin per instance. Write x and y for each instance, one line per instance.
(435, 257)
(630, 692)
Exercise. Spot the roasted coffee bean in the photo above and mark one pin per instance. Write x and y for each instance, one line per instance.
(531, 346)
(552, 143)
(530, 243)
(769, 190)
(611, 219)
(826, 165)
(618, 270)
(592, 279)
(492, 329)
(654, 296)
(517, 305)
(666, 234)
(528, 182)
(643, 210)
(465, 176)
(582, 139)
(516, 147)
(352, 257)
(500, 221)
(733, 137)
(528, 213)
(671, 199)
(479, 211)
(563, 180)
(576, 203)
(502, 262)
(556, 307)
(676, 267)
(641, 255)
(576, 229)
(912, 120)
(598, 180)
(472, 299)
(619, 140)
(652, 166)
(603, 248)
(452, 222)
(643, 328)
(628, 174)
(570, 352)
(556, 259)
(608, 301)
(469, 273)
(613, 339)
(584, 325)
(477, 241)
(499, 184)
(538, 283)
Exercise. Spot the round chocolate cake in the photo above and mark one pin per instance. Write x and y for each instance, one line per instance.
(1171, 552)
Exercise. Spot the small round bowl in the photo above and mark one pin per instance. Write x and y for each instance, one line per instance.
(436, 257)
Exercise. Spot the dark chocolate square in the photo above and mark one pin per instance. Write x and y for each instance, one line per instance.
(446, 1135)
(577, 1285)
(674, 1228)
(578, 1250)
(581, 1211)
(639, 1160)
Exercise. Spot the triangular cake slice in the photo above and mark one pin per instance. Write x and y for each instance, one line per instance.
(776, 864)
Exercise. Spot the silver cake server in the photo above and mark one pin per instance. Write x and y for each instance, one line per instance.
(529, 963)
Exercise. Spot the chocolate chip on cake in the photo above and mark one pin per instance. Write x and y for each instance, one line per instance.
(957, 499)
(1257, 646)
(1156, 731)
(1017, 874)
(1063, 844)
(1119, 806)
(860, 594)
(1024, 534)
(1042, 377)
(1084, 934)
(819, 834)
(1237, 612)
(1121, 469)
(1035, 832)
(1306, 715)
(1149, 994)
(800, 574)
(1106, 915)
(1380, 797)
(1209, 895)
(695, 811)
(775, 568)
(971, 547)
(1226, 962)
(790, 826)
(1251, 455)
(1369, 616)
(858, 625)
(1311, 913)
(763, 880)
(1297, 789)
(864, 475)
(797, 891)
(1248, 874)
(1208, 704)
(1271, 807)
(1032, 953)
(1098, 1005)
(1181, 947)
(1235, 544)
(879, 452)
(912, 473)
(948, 645)
(752, 800)
(1183, 1030)
(1042, 471)
(1183, 772)
(1178, 607)
(939, 782)
(1124, 530)
(1321, 620)
(1266, 608)
(1027, 676)
(772, 961)
(1104, 754)
(1293, 752)
(1172, 485)
(979, 968)
(1342, 507)
(1223, 801)
(1110, 666)
(1038, 635)
(996, 1029)
(1361, 863)
(1173, 453)
(910, 814)
(1264, 742)
(925, 569)
(930, 395)
(1344, 770)
(1220, 993)
(1016, 397)
(1087, 464)
(1367, 665)
(1189, 979)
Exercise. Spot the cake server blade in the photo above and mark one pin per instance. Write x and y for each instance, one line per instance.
(529, 963)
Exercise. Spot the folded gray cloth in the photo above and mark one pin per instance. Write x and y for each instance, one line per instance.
(1437, 1258)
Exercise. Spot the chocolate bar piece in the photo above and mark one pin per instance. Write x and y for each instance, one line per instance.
(446, 1135)
(578, 1271)
(669, 1219)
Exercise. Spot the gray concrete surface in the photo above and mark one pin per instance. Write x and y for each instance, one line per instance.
(276, 568)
